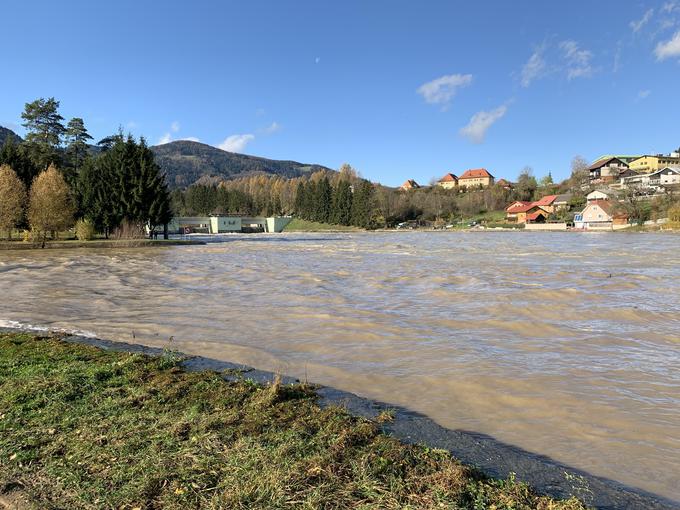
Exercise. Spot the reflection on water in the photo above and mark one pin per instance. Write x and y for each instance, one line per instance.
(566, 345)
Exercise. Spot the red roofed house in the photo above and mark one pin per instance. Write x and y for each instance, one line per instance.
(521, 212)
(476, 177)
(547, 203)
(504, 184)
(449, 181)
(600, 214)
(409, 184)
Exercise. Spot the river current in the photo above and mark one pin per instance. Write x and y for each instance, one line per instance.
(567, 345)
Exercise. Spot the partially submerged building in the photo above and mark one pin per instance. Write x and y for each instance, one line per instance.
(226, 224)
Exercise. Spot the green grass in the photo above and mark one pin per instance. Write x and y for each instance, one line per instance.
(299, 225)
(82, 427)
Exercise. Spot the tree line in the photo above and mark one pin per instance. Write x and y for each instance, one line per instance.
(54, 178)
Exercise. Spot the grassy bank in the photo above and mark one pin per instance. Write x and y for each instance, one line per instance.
(82, 427)
(98, 243)
(298, 225)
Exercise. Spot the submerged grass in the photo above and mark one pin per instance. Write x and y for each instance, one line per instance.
(82, 427)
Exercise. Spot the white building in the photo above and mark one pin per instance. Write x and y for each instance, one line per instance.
(665, 177)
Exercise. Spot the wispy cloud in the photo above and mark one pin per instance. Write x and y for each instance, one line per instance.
(636, 25)
(166, 138)
(272, 128)
(669, 7)
(442, 90)
(668, 49)
(190, 139)
(644, 94)
(534, 67)
(174, 127)
(578, 61)
(479, 124)
(236, 143)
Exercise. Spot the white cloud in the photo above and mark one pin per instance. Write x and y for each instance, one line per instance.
(174, 127)
(476, 129)
(644, 94)
(668, 49)
(442, 90)
(190, 139)
(272, 128)
(166, 138)
(236, 143)
(636, 25)
(534, 67)
(578, 60)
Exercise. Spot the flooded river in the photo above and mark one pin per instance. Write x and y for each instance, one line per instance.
(567, 345)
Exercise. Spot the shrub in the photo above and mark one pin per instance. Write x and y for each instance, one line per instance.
(84, 230)
(674, 216)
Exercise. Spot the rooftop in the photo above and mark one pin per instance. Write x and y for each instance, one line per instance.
(476, 173)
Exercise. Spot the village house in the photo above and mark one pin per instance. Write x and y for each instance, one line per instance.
(475, 178)
(599, 215)
(661, 178)
(601, 194)
(409, 185)
(607, 170)
(547, 203)
(523, 212)
(504, 184)
(650, 164)
(561, 202)
(449, 181)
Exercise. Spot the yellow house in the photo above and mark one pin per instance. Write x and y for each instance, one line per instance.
(449, 181)
(476, 177)
(649, 164)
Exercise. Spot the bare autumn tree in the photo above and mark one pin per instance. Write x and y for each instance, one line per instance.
(51, 206)
(12, 199)
(580, 175)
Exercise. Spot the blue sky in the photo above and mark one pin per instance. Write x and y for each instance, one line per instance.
(397, 89)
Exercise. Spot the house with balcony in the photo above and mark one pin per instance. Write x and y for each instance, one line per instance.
(663, 178)
(608, 170)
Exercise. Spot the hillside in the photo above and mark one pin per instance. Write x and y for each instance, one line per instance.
(8, 133)
(186, 162)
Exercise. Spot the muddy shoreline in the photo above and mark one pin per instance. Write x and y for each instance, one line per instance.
(493, 457)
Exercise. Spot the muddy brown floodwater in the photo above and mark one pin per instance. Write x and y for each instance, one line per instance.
(564, 344)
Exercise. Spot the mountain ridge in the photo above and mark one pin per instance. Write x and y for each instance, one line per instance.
(186, 162)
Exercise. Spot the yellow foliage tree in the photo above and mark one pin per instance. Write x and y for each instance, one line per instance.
(51, 207)
(12, 199)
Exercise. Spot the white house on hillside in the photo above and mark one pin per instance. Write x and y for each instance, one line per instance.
(665, 177)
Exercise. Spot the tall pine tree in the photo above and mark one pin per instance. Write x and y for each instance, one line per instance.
(44, 131)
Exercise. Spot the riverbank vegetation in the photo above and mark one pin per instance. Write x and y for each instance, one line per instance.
(54, 178)
(82, 427)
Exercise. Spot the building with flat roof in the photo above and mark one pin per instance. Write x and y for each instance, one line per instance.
(226, 224)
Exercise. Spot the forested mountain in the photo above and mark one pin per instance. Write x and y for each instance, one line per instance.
(185, 162)
(8, 133)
